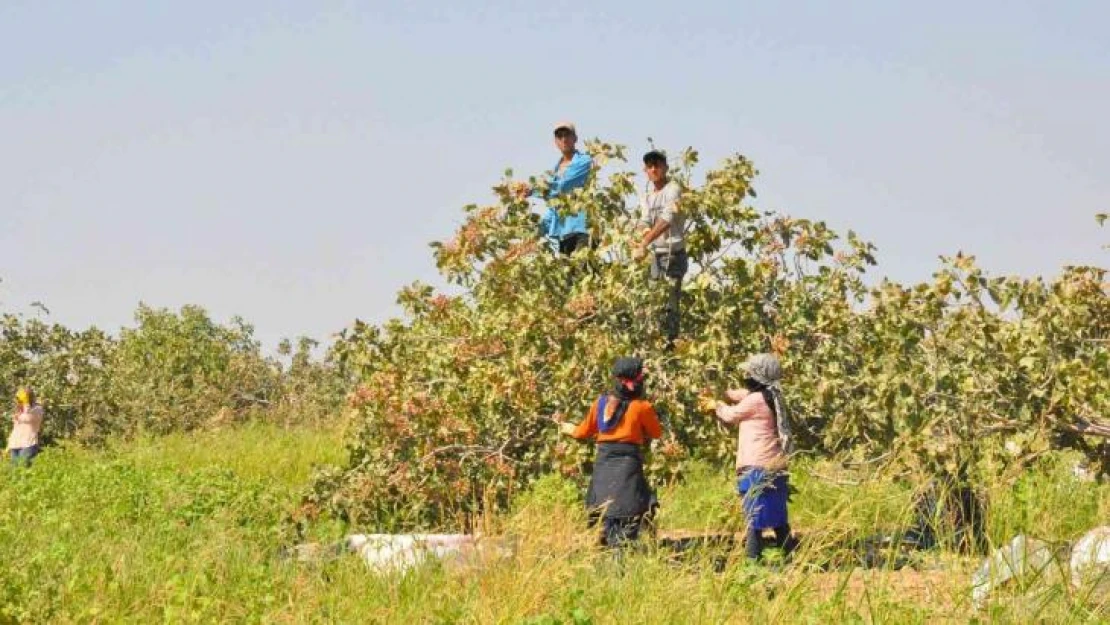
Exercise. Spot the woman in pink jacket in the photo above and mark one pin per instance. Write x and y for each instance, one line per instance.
(762, 451)
(23, 442)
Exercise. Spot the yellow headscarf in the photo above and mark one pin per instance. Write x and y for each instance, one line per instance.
(23, 397)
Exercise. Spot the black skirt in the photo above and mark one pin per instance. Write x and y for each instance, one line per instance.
(618, 488)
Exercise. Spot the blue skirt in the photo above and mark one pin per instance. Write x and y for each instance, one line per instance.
(764, 497)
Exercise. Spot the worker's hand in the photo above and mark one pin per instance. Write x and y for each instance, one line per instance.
(638, 252)
(707, 403)
(567, 428)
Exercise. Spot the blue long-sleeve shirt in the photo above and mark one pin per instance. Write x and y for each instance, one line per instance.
(573, 177)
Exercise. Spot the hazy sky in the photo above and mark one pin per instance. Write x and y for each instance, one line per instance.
(289, 161)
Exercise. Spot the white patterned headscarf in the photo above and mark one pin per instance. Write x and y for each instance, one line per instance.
(766, 369)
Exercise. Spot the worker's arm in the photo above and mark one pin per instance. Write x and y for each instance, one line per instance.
(735, 413)
(585, 429)
(32, 416)
(655, 232)
(650, 422)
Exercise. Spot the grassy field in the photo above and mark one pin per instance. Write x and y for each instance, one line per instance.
(188, 529)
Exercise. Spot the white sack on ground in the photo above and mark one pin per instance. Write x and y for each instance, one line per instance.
(400, 552)
(1022, 559)
(1090, 563)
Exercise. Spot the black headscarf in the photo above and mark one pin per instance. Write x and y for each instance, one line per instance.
(629, 373)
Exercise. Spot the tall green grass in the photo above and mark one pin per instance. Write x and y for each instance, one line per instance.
(188, 529)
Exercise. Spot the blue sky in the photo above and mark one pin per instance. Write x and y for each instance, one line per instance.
(289, 161)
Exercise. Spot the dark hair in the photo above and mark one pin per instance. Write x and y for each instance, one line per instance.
(655, 157)
(629, 374)
(628, 367)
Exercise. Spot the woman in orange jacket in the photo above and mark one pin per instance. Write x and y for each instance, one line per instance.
(621, 421)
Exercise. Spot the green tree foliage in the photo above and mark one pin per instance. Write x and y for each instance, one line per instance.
(174, 371)
(311, 389)
(171, 371)
(65, 367)
(456, 402)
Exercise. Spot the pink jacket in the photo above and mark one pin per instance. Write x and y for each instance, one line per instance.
(759, 444)
(25, 428)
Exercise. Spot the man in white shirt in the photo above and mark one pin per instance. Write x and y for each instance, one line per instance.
(663, 223)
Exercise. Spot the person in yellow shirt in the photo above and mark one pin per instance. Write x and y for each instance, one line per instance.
(23, 442)
(621, 422)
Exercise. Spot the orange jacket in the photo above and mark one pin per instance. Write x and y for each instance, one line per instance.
(639, 422)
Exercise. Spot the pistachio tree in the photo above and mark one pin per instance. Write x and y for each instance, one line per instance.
(456, 402)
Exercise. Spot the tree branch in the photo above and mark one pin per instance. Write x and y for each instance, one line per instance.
(1089, 427)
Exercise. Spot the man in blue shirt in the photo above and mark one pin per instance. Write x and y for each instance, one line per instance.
(565, 234)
